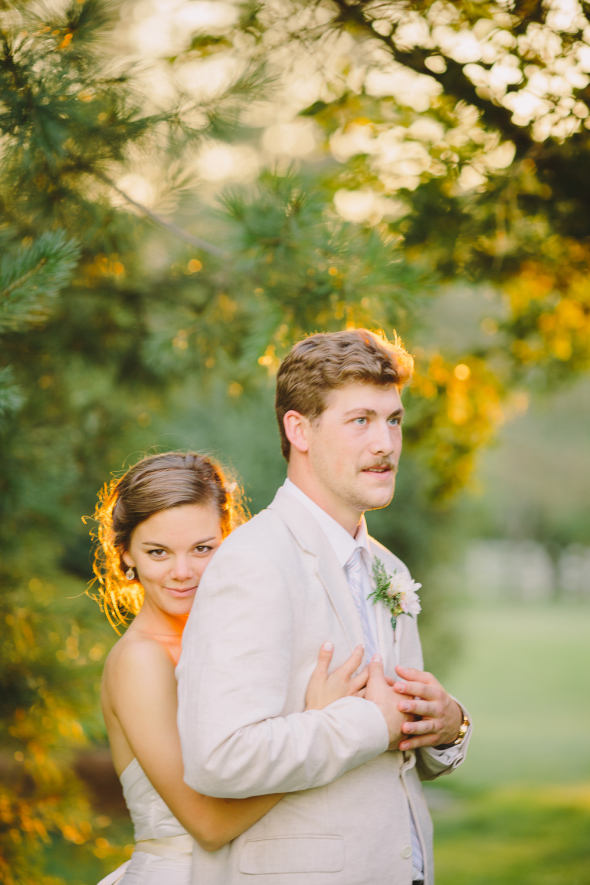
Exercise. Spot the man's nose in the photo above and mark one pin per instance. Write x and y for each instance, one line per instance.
(382, 441)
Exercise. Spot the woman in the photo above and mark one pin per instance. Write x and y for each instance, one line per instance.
(159, 526)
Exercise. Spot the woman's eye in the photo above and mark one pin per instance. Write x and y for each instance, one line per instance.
(158, 552)
(203, 548)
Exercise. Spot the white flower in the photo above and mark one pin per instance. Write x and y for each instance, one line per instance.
(397, 591)
(407, 588)
(409, 601)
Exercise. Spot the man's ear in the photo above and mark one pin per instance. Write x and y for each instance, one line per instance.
(297, 430)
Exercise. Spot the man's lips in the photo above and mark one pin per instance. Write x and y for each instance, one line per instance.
(380, 469)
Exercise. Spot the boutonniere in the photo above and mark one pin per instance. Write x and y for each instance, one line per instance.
(397, 592)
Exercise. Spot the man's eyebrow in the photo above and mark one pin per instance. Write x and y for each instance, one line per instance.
(371, 412)
(360, 411)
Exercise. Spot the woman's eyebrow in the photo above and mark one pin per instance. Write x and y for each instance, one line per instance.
(164, 547)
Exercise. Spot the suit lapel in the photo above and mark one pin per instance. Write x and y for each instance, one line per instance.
(311, 538)
(389, 641)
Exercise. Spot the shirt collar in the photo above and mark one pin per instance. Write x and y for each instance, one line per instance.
(342, 543)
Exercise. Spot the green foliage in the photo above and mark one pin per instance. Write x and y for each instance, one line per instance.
(31, 278)
(49, 710)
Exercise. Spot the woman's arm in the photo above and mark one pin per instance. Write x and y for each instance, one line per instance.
(142, 693)
(141, 689)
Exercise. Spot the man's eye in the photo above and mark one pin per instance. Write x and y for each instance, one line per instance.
(360, 421)
(395, 421)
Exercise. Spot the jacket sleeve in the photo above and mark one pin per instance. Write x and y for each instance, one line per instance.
(233, 678)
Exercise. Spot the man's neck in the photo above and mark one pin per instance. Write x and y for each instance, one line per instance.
(331, 504)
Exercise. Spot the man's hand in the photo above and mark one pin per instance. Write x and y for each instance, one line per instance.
(379, 691)
(439, 717)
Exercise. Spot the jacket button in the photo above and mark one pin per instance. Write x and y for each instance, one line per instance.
(407, 851)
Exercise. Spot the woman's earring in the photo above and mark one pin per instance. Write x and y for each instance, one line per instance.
(130, 574)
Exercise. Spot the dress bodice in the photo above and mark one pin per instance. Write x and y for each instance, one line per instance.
(152, 819)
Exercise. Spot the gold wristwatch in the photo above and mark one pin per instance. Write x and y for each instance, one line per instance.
(462, 730)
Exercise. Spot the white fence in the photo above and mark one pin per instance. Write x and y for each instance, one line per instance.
(525, 570)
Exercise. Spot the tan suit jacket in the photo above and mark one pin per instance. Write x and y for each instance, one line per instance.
(269, 598)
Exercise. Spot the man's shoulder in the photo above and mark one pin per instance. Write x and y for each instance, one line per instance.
(389, 559)
(261, 534)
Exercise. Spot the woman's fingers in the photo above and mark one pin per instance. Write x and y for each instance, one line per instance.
(359, 682)
(353, 663)
(324, 658)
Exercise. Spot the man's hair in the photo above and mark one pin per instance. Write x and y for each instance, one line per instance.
(329, 360)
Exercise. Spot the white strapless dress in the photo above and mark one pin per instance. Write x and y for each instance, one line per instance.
(163, 848)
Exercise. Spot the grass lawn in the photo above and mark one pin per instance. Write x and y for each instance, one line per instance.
(525, 678)
(518, 810)
(515, 836)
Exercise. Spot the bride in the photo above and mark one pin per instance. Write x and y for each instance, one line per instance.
(158, 527)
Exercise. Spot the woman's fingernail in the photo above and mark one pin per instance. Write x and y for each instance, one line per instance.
(376, 659)
(399, 686)
(328, 646)
(362, 647)
(404, 707)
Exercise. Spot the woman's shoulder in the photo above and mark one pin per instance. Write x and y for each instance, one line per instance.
(138, 656)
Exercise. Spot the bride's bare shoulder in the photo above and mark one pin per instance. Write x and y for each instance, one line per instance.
(139, 656)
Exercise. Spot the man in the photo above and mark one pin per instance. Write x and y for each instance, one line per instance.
(296, 575)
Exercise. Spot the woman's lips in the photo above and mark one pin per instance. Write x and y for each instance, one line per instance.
(180, 591)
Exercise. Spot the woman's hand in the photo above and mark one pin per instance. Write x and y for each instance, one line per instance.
(324, 688)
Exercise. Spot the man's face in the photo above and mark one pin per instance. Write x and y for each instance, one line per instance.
(355, 445)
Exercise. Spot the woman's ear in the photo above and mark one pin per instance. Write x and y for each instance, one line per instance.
(128, 559)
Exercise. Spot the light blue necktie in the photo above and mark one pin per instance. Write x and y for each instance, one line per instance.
(354, 576)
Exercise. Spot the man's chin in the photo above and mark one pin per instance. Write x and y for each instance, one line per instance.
(375, 498)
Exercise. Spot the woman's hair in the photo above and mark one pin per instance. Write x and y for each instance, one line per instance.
(156, 483)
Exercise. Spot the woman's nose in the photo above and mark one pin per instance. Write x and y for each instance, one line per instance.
(182, 569)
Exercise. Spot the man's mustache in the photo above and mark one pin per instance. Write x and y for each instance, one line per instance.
(381, 465)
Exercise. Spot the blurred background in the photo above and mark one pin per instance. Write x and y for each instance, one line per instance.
(186, 188)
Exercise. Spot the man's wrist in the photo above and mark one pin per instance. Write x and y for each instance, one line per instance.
(463, 728)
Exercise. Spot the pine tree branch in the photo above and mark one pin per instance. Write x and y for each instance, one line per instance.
(31, 278)
(6, 292)
(172, 228)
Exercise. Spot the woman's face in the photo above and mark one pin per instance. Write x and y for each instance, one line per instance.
(170, 551)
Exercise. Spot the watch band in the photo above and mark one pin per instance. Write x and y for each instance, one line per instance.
(462, 731)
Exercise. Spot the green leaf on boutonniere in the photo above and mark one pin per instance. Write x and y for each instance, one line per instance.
(397, 592)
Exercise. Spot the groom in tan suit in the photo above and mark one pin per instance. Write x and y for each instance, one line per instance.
(296, 575)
